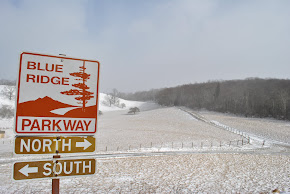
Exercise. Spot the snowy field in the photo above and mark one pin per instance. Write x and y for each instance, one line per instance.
(195, 173)
(159, 126)
(267, 128)
(201, 159)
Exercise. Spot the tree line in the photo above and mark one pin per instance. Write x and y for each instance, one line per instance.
(7, 82)
(252, 97)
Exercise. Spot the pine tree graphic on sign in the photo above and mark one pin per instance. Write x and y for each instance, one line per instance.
(82, 91)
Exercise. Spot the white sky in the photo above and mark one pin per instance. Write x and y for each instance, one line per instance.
(151, 44)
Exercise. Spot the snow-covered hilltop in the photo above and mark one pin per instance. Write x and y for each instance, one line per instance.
(104, 105)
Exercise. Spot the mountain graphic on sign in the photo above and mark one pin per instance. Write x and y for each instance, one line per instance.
(42, 107)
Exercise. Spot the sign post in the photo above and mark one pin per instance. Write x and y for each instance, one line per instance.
(57, 96)
(55, 182)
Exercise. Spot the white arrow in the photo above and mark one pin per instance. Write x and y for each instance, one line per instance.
(26, 169)
(84, 144)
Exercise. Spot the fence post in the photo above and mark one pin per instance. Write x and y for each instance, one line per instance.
(118, 148)
(106, 148)
(220, 143)
(263, 143)
(151, 144)
(230, 143)
(192, 144)
(201, 144)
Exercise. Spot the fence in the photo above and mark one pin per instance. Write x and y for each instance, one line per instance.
(170, 146)
(6, 141)
(177, 145)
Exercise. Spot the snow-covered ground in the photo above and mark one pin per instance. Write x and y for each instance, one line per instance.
(267, 128)
(244, 169)
(162, 126)
(193, 173)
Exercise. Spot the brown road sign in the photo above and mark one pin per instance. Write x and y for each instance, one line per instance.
(52, 145)
(53, 168)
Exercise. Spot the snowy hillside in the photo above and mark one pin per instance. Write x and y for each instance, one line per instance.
(105, 107)
(186, 151)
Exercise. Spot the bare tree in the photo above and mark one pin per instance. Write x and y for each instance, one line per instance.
(9, 92)
(111, 99)
(114, 97)
(108, 100)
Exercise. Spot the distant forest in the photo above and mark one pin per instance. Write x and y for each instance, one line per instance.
(252, 97)
(7, 82)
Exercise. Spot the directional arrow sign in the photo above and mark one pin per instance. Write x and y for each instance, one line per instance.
(85, 144)
(53, 169)
(26, 170)
(52, 145)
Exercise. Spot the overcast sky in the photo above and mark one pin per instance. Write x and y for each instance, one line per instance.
(148, 44)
